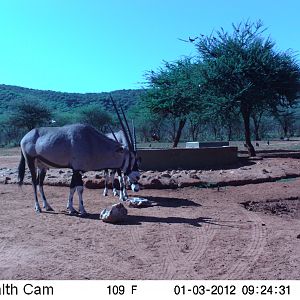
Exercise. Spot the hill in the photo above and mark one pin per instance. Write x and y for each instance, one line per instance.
(65, 101)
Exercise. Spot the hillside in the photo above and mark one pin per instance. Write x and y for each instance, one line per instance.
(65, 101)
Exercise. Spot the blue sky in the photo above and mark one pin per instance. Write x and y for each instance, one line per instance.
(104, 45)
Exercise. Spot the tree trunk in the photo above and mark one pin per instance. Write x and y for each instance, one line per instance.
(256, 133)
(285, 128)
(256, 122)
(229, 132)
(178, 133)
(193, 131)
(246, 118)
(285, 131)
(215, 131)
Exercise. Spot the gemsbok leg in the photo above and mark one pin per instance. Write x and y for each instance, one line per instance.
(106, 181)
(112, 178)
(76, 184)
(40, 180)
(70, 207)
(123, 192)
(106, 177)
(32, 169)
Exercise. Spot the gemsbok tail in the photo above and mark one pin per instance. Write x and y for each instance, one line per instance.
(21, 169)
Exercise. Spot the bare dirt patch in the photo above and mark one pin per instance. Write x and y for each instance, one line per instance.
(288, 207)
(188, 233)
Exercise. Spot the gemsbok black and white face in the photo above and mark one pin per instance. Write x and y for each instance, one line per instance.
(134, 175)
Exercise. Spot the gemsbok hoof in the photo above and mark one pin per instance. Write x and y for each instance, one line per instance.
(38, 210)
(73, 212)
(115, 192)
(83, 215)
(124, 199)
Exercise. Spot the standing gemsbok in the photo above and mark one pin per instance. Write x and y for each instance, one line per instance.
(119, 136)
(78, 147)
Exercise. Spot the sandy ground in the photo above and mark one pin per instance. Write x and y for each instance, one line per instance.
(250, 231)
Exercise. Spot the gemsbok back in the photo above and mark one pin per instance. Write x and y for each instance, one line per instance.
(78, 147)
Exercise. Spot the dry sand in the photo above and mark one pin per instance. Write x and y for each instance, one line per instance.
(188, 233)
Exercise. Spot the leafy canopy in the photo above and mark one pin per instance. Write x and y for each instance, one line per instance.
(95, 116)
(246, 70)
(173, 89)
(30, 114)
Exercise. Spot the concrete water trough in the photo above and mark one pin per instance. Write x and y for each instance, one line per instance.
(188, 158)
(205, 144)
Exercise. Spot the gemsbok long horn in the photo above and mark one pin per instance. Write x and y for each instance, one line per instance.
(113, 134)
(134, 136)
(130, 146)
(130, 135)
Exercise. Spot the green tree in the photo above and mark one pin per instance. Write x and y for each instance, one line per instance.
(257, 117)
(95, 116)
(194, 124)
(286, 118)
(9, 134)
(244, 69)
(29, 114)
(63, 118)
(173, 92)
(145, 121)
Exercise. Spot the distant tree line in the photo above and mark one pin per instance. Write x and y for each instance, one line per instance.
(22, 109)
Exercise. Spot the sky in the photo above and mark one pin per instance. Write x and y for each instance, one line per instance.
(105, 45)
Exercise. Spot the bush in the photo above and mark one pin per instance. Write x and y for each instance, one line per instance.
(29, 114)
(95, 116)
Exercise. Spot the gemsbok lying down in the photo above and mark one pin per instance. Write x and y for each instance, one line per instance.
(78, 147)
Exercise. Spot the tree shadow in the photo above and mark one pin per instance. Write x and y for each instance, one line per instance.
(138, 220)
(171, 202)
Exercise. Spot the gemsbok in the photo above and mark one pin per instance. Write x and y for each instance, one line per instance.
(119, 136)
(78, 147)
